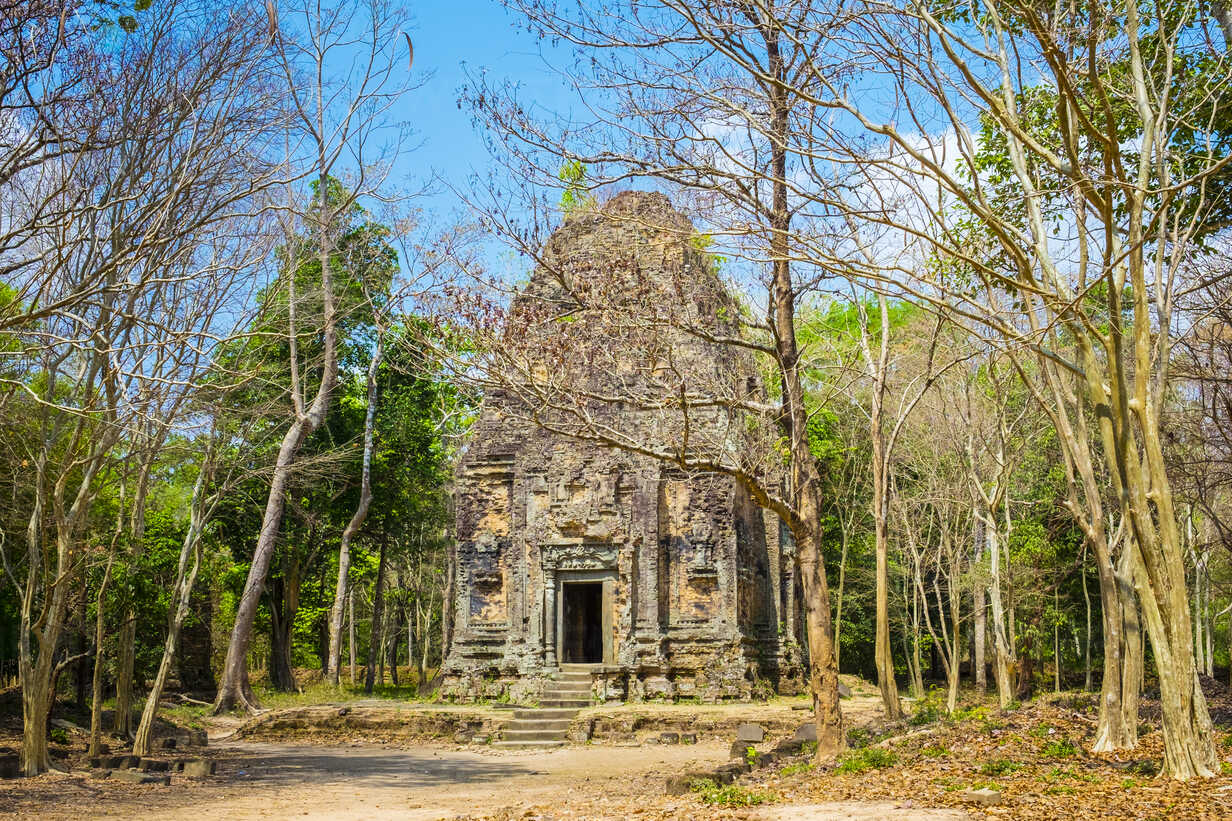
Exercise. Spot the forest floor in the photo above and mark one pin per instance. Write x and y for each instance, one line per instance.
(1035, 758)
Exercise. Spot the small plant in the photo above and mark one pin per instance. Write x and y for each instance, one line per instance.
(858, 737)
(59, 735)
(935, 751)
(1041, 731)
(927, 711)
(728, 795)
(1059, 749)
(1144, 766)
(809, 747)
(750, 756)
(991, 726)
(1060, 789)
(1128, 784)
(798, 767)
(869, 758)
(999, 766)
(1012, 707)
(978, 711)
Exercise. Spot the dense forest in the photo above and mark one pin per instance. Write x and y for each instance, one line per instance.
(980, 258)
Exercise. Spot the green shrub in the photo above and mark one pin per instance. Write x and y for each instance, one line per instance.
(59, 735)
(869, 758)
(1040, 731)
(1059, 749)
(858, 737)
(979, 711)
(999, 766)
(798, 767)
(929, 710)
(728, 795)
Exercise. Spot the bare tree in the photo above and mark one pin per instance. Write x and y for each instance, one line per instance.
(344, 70)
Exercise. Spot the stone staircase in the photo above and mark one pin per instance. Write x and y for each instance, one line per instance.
(544, 727)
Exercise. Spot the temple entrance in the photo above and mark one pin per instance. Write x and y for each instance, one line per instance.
(582, 622)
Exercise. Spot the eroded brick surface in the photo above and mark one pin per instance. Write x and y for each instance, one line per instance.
(698, 590)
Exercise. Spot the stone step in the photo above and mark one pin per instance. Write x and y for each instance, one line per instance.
(548, 714)
(580, 687)
(579, 684)
(558, 725)
(528, 745)
(574, 675)
(532, 735)
(573, 703)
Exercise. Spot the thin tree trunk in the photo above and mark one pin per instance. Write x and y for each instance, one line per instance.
(186, 577)
(351, 633)
(374, 636)
(96, 689)
(357, 521)
(234, 690)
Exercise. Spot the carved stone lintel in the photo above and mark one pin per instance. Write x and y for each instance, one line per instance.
(579, 556)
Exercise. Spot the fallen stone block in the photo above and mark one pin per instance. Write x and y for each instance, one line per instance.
(10, 766)
(199, 768)
(169, 743)
(683, 784)
(138, 777)
(740, 749)
(806, 732)
(155, 765)
(789, 746)
(669, 738)
(198, 738)
(843, 690)
(688, 738)
(984, 797)
(751, 733)
(66, 725)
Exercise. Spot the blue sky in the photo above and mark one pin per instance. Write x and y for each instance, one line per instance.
(454, 38)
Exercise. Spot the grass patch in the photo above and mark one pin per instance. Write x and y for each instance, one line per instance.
(935, 751)
(869, 758)
(798, 767)
(858, 737)
(927, 711)
(999, 766)
(1041, 731)
(1059, 749)
(728, 795)
(978, 712)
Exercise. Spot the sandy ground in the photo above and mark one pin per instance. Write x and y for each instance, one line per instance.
(349, 783)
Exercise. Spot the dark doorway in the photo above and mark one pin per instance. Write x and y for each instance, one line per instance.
(583, 623)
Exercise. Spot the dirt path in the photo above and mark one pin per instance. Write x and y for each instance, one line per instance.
(349, 783)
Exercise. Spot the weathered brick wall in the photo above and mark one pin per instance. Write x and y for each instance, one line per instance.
(692, 578)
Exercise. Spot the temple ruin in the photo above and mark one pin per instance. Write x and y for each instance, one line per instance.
(661, 583)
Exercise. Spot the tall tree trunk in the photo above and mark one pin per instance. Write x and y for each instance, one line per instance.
(353, 526)
(234, 690)
(804, 480)
(374, 636)
(351, 633)
(96, 689)
(284, 604)
(185, 579)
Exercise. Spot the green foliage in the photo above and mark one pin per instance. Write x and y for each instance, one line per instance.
(935, 751)
(797, 768)
(999, 766)
(576, 197)
(928, 710)
(1062, 748)
(728, 795)
(869, 758)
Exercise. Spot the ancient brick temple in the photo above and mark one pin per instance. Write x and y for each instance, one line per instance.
(567, 552)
